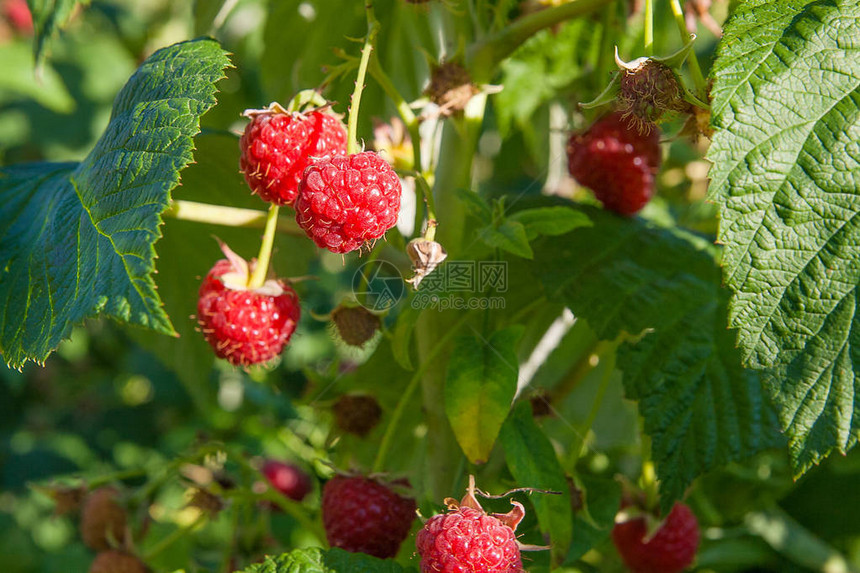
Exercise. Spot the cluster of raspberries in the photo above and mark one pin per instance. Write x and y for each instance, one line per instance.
(342, 202)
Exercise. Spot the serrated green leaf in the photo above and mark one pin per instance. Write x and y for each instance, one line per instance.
(786, 174)
(700, 407)
(316, 560)
(77, 240)
(510, 236)
(479, 388)
(533, 463)
(310, 560)
(549, 221)
(49, 16)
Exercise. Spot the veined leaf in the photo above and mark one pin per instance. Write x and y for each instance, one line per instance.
(786, 174)
(549, 221)
(479, 389)
(701, 408)
(316, 560)
(76, 240)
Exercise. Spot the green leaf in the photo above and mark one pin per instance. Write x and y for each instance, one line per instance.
(533, 463)
(701, 408)
(310, 560)
(345, 562)
(479, 388)
(76, 241)
(549, 221)
(592, 525)
(510, 236)
(49, 16)
(316, 560)
(786, 174)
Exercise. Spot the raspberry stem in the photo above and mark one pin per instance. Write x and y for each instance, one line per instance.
(355, 100)
(427, 361)
(261, 270)
(175, 535)
(695, 69)
(649, 27)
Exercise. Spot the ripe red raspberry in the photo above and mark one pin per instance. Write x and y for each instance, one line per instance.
(245, 326)
(103, 519)
(616, 162)
(117, 562)
(346, 201)
(363, 515)
(287, 479)
(670, 550)
(468, 539)
(278, 146)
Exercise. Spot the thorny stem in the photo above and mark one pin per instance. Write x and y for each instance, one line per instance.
(227, 216)
(262, 269)
(695, 69)
(355, 101)
(428, 361)
(649, 27)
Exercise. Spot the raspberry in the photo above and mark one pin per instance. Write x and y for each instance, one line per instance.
(278, 146)
(245, 326)
(670, 550)
(347, 201)
(616, 162)
(468, 539)
(287, 479)
(103, 519)
(649, 89)
(117, 562)
(355, 325)
(356, 414)
(363, 515)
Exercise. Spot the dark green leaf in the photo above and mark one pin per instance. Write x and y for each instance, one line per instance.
(700, 406)
(510, 236)
(479, 389)
(345, 562)
(550, 221)
(786, 108)
(77, 240)
(533, 463)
